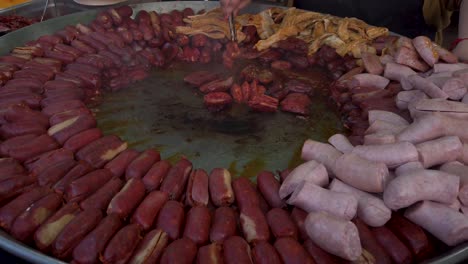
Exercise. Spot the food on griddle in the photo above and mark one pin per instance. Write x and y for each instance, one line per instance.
(50, 143)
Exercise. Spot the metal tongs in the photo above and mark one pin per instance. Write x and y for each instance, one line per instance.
(232, 28)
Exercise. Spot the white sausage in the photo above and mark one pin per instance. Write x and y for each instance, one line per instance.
(449, 67)
(427, 87)
(371, 209)
(381, 126)
(420, 185)
(334, 235)
(310, 171)
(379, 138)
(361, 173)
(439, 151)
(368, 80)
(446, 224)
(396, 72)
(393, 155)
(312, 198)
(407, 167)
(341, 143)
(461, 171)
(422, 129)
(386, 116)
(403, 98)
(321, 152)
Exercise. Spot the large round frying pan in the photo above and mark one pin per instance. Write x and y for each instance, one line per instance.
(161, 112)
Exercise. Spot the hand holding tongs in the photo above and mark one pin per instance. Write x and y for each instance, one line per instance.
(232, 28)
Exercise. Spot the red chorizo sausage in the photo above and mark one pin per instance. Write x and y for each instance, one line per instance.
(38, 164)
(171, 218)
(224, 224)
(298, 216)
(86, 185)
(33, 148)
(76, 172)
(10, 187)
(412, 235)
(197, 226)
(156, 174)
(392, 245)
(254, 225)
(197, 189)
(62, 106)
(127, 199)
(74, 232)
(245, 193)
(264, 253)
(50, 229)
(122, 245)
(79, 140)
(93, 244)
(269, 187)
(149, 208)
(176, 179)
(150, 248)
(236, 251)
(21, 128)
(27, 222)
(369, 242)
(141, 164)
(319, 255)
(291, 251)
(10, 211)
(101, 151)
(119, 164)
(55, 172)
(281, 224)
(220, 187)
(101, 198)
(181, 251)
(210, 254)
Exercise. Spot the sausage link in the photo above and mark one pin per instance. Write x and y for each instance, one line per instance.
(101, 198)
(156, 174)
(80, 169)
(78, 141)
(74, 232)
(10, 187)
(50, 229)
(127, 199)
(150, 248)
(40, 163)
(245, 193)
(176, 179)
(369, 242)
(269, 187)
(141, 164)
(236, 251)
(197, 189)
(11, 143)
(89, 249)
(21, 128)
(171, 218)
(55, 172)
(197, 226)
(122, 245)
(210, 254)
(392, 245)
(224, 224)
(281, 224)
(101, 151)
(27, 222)
(119, 164)
(33, 148)
(62, 106)
(65, 115)
(412, 235)
(10, 211)
(264, 253)
(86, 185)
(181, 251)
(291, 251)
(220, 187)
(149, 208)
(254, 225)
(319, 255)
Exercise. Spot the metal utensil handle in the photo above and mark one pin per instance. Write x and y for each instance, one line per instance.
(45, 9)
(232, 27)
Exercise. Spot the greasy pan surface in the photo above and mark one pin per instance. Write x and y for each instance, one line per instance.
(162, 112)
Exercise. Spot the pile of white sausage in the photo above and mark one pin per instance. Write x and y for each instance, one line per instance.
(420, 165)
